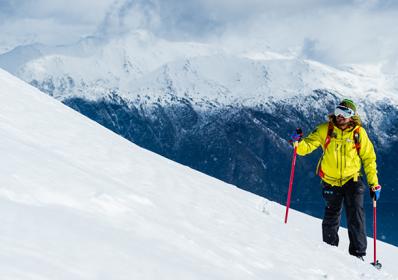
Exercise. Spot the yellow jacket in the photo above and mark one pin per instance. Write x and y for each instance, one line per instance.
(340, 161)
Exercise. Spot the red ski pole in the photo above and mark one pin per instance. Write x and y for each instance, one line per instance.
(289, 193)
(375, 262)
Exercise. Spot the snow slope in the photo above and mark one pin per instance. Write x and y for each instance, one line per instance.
(80, 202)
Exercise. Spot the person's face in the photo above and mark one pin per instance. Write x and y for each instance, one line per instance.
(341, 121)
(343, 115)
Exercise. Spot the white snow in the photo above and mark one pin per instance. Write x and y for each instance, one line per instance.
(80, 202)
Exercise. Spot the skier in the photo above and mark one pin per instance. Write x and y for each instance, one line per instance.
(346, 147)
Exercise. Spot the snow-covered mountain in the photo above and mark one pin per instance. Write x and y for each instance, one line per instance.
(140, 65)
(80, 202)
(219, 111)
(145, 70)
(96, 65)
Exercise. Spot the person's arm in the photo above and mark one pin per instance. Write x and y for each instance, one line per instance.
(368, 157)
(311, 142)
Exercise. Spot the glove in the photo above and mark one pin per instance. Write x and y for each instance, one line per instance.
(296, 136)
(375, 192)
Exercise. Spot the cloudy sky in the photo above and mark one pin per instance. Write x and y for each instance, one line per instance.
(331, 31)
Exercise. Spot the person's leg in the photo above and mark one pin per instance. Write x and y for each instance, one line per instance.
(331, 221)
(353, 201)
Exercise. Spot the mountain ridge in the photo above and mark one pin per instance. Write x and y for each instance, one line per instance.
(139, 57)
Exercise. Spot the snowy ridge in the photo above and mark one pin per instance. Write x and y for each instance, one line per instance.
(139, 65)
(233, 80)
(97, 62)
(80, 202)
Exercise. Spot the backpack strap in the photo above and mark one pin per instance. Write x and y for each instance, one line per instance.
(327, 142)
(356, 139)
(325, 145)
(357, 147)
(328, 136)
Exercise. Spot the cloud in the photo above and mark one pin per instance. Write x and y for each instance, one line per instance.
(172, 19)
(49, 22)
(334, 32)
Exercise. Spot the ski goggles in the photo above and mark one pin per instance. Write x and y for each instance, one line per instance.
(344, 111)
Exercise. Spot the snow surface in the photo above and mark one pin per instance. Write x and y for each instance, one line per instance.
(80, 202)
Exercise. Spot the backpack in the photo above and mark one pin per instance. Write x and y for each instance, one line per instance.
(329, 137)
(327, 142)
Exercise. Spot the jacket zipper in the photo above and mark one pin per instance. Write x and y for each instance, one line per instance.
(341, 155)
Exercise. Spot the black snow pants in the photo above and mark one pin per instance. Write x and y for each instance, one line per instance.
(350, 195)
